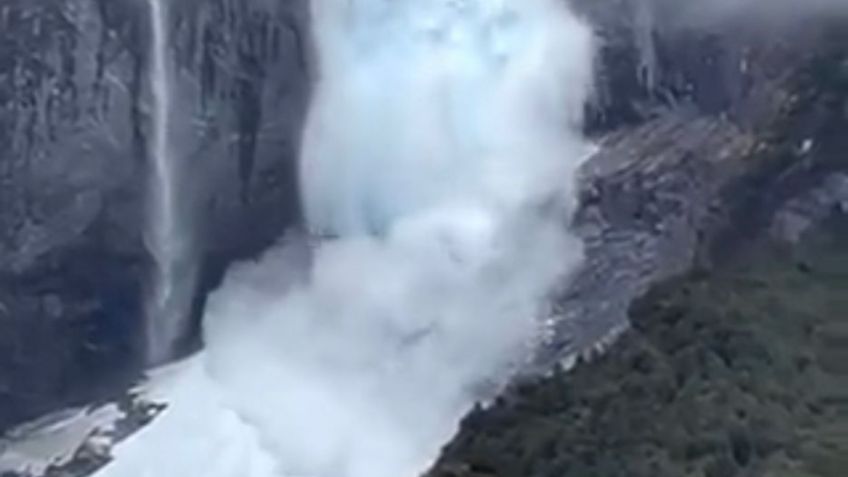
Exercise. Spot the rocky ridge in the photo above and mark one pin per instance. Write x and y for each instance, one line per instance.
(729, 127)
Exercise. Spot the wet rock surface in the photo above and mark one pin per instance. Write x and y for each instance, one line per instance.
(74, 106)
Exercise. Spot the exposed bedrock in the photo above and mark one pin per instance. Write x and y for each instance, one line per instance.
(74, 121)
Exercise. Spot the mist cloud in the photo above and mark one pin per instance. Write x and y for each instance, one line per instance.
(439, 165)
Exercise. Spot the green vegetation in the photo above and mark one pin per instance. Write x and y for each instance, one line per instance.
(741, 372)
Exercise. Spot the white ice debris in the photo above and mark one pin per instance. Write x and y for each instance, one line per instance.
(54, 440)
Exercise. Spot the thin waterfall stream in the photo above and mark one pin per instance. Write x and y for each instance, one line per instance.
(168, 235)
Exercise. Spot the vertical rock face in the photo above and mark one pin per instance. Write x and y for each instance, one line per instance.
(705, 128)
(242, 77)
(71, 261)
(73, 164)
(661, 55)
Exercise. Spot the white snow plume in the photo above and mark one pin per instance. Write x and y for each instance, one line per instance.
(439, 165)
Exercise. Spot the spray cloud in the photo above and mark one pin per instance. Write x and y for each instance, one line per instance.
(438, 162)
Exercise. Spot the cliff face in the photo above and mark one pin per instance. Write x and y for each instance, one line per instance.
(706, 129)
(74, 105)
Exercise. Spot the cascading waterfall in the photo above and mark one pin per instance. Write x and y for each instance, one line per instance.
(167, 236)
(438, 165)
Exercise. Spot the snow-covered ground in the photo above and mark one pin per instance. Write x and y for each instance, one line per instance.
(196, 435)
(55, 439)
(60, 439)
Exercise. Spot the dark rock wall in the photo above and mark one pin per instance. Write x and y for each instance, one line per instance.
(74, 103)
(242, 88)
(71, 260)
(657, 55)
(695, 155)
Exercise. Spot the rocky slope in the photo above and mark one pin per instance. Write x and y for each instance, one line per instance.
(74, 109)
(739, 372)
(730, 124)
(731, 366)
